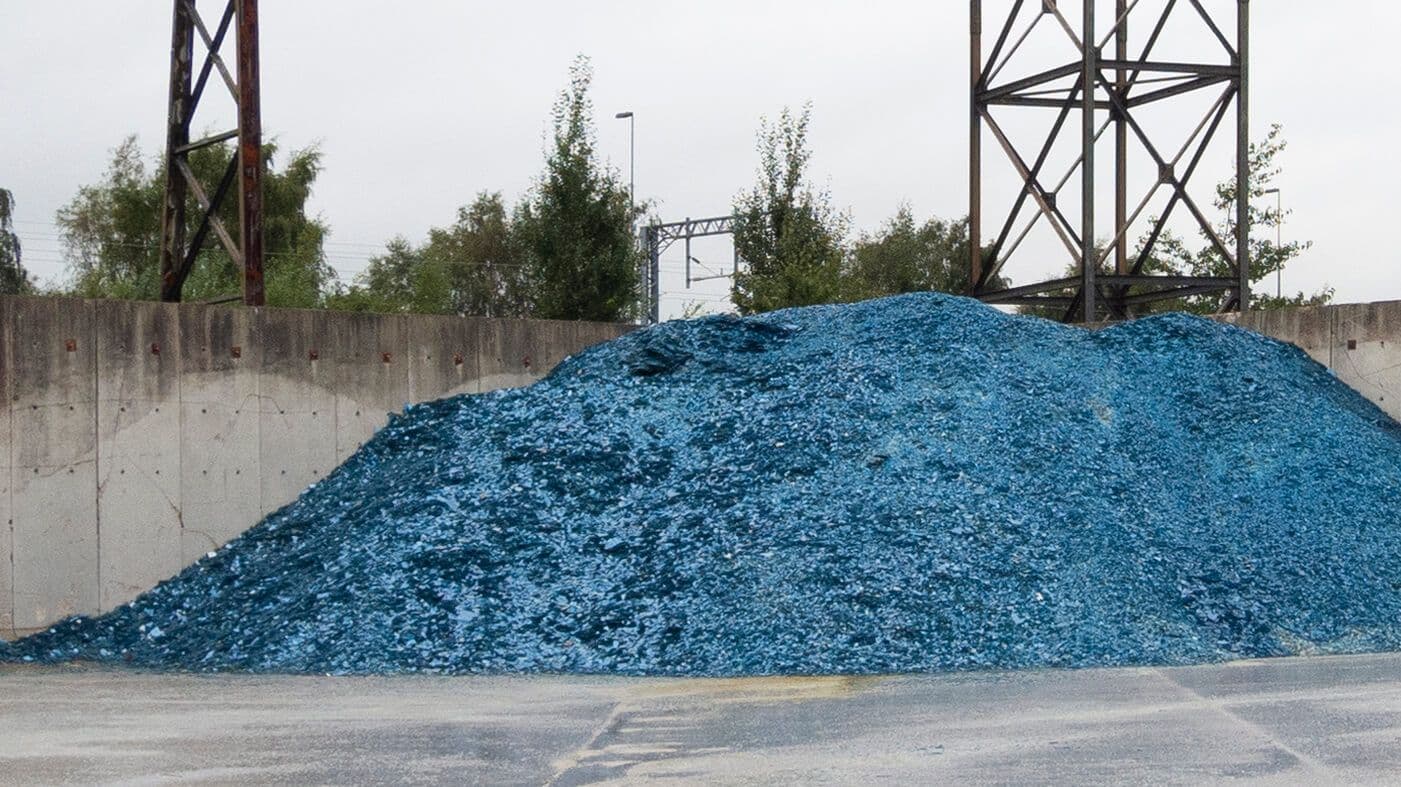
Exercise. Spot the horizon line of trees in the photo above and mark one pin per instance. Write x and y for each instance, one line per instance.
(566, 249)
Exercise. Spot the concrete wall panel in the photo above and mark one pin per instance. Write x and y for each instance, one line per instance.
(7, 589)
(371, 370)
(1367, 352)
(507, 356)
(444, 358)
(138, 453)
(220, 478)
(297, 429)
(556, 341)
(1310, 329)
(136, 437)
(54, 434)
(1359, 342)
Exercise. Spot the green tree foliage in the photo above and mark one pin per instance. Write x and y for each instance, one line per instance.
(14, 279)
(474, 267)
(1267, 257)
(484, 260)
(785, 230)
(111, 231)
(295, 267)
(566, 252)
(905, 256)
(575, 228)
(1173, 257)
(399, 280)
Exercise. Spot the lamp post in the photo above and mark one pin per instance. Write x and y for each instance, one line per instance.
(632, 160)
(1279, 239)
(651, 295)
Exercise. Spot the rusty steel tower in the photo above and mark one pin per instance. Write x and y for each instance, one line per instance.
(243, 175)
(1107, 85)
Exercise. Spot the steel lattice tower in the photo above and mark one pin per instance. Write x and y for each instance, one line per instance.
(244, 173)
(1106, 89)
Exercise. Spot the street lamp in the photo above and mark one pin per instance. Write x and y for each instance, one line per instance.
(632, 160)
(1279, 239)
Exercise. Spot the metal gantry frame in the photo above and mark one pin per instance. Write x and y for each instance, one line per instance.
(657, 238)
(1114, 87)
(242, 176)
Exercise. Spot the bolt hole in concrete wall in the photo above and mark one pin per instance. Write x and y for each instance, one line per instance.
(127, 426)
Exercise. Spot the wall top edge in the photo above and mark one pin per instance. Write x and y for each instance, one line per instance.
(75, 302)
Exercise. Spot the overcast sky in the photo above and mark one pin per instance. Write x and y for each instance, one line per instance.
(420, 104)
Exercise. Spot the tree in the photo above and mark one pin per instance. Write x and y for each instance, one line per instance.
(903, 256)
(1172, 257)
(575, 227)
(473, 267)
(111, 231)
(786, 231)
(14, 279)
(401, 280)
(483, 260)
(1266, 257)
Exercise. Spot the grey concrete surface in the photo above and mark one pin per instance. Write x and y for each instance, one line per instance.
(7, 584)
(136, 437)
(1361, 343)
(53, 460)
(1318, 720)
(1367, 352)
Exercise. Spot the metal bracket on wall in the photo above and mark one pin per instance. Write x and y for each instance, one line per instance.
(242, 176)
(1105, 91)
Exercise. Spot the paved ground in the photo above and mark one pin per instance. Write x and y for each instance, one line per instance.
(1298, 720)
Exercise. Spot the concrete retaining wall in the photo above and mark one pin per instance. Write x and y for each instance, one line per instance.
(1361, 343)
(135, 437)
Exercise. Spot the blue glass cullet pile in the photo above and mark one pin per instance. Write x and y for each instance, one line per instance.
(912, 484)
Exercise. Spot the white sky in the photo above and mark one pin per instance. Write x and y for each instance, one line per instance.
(420, 104)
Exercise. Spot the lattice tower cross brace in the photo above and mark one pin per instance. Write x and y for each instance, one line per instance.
(244, 172)
(1088, 284)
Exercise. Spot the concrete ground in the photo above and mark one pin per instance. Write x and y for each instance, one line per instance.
(1296, 720)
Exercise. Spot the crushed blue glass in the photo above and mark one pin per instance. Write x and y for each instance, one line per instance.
(913, 484)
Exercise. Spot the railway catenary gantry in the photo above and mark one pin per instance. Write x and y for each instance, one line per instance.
(1105, 90)
(656, 238)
